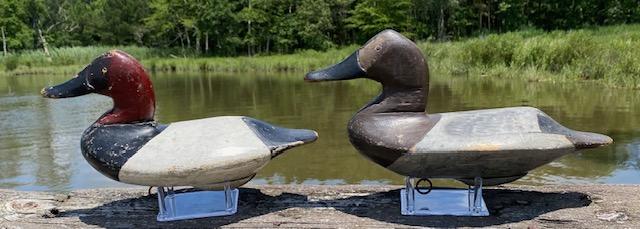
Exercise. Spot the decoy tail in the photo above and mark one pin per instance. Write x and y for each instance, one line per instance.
(580, 140)
(586, 140)
(279, 139)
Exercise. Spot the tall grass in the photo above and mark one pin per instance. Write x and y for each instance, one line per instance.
(69, 60)
(298, 62)
(606, 54)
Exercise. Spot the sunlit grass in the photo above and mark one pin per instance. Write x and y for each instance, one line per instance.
(298, 62)
(605, 54)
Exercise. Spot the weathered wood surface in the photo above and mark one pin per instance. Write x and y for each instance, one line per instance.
(576, 206)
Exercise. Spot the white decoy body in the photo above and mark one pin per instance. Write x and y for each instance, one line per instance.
(126, 143)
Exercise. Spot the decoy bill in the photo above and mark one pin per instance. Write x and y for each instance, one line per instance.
(395, 131)
(126, 143)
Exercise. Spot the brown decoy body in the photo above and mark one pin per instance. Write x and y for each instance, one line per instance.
(395, 131)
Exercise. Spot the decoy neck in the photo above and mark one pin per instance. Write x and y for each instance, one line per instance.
(392, 60)
(118, 75)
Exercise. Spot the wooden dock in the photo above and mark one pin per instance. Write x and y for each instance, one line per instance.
(342, 206)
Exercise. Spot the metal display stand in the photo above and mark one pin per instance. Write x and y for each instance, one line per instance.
(456, 202)
(196, 204)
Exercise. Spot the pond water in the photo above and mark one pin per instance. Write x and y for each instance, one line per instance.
(39, 138)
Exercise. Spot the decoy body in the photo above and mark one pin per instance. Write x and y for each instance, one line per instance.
(394, 130)
(127, 145)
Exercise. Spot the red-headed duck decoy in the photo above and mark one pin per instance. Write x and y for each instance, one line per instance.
(395, 131)
(126, 143)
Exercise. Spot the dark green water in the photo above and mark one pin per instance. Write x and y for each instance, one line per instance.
(39, 138)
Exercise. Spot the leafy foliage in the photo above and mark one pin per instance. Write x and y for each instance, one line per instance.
(373, 16)
(255, 27)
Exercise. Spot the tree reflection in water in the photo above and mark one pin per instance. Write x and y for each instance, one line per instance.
(39, 143)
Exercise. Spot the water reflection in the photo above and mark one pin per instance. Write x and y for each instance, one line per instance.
(39, 139)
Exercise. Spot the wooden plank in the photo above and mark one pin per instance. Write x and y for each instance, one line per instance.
(299, 206)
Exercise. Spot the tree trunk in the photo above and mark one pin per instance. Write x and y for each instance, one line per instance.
(181, 42)
(489, 15)
(198, 37)
(268, 41)
(441, 22)
(44, 42)
(186, 32)
(481, 12)
(479, 19)
(249, 35)
(206, 42)
(219, 45)
(249, 42)
(4, 42)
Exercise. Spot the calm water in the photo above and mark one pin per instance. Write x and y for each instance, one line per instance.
(39, 138)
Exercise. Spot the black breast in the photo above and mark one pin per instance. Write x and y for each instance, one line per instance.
(108, 147)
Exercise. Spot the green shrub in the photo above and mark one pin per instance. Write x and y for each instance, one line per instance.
(608, 54)
(10, 63)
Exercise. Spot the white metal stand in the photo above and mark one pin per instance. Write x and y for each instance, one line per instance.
(456, 202)
(196, 204)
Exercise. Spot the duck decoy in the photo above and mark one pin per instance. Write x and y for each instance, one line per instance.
(493, 146)
(126, 143)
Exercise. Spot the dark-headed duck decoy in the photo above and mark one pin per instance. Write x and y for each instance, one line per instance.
(499, 145)
(126, 143)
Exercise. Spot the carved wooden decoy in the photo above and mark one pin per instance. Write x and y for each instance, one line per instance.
(395, 131)
(126, 143)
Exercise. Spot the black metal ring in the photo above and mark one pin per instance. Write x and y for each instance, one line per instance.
(418, 189)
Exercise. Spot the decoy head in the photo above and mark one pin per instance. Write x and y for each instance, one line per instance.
(118, 75)
(392, 60)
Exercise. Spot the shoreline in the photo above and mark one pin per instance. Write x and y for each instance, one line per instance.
(606, 55)
(577, 206)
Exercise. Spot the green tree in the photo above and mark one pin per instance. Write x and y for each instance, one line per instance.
(254, 18)
(315, 24)
(19, 34)
(372, 16)
(232, 27)
(119, 22)
(281, 25)
(165, 23)
(217, 26)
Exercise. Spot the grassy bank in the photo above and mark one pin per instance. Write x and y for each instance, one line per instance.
(606, 54)
(71, 60)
